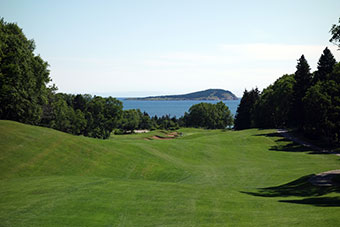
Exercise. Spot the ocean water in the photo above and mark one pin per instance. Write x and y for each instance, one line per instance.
(172, 108)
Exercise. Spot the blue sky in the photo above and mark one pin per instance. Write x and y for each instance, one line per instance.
(140, 48)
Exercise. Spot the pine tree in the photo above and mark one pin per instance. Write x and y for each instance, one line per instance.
(325, 66)
(322, 102)
(303, 79)
(245, 112)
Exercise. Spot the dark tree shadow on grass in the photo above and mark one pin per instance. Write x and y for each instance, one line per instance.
(295, 147)
(288, 146)
(301, 188)
(291, 146)
(320, 202)
(273, 134)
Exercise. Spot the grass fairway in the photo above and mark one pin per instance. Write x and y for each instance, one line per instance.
(203, 178)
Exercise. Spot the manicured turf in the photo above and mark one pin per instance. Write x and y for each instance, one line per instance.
(202, 178)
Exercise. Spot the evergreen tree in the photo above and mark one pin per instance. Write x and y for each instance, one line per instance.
(317, 103)
(303, 79)
(325, 66)
(145, 122)
(322, 102)
(334, 92)
(245, 111)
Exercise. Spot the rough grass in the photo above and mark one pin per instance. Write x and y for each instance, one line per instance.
(203, 178)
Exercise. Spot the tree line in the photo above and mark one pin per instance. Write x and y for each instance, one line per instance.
(201, 115)
(25, 96)
(307, 101)
(95, 116)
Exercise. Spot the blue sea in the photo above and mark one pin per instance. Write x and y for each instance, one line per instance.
(172, 108)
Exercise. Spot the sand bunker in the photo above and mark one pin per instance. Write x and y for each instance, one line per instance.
(168, 136)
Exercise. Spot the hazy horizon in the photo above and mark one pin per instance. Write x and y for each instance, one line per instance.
(149, 48)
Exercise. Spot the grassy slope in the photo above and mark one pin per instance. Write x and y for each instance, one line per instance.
(204, 178)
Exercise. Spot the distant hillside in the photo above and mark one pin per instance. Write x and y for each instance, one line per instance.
(210, 94)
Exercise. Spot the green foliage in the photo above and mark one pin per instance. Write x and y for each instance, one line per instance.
(25, 97)
(79, 102)
(23, 76)
(335, 30)
(317, 103)
(102, 115)
(303, 79)
(79, 122)
(274, 105)
(208, 115)
(130, 120)
(245, 111)
(312, 105)
(325, 66)
(145, 121)
(82, 114)
(322, 102)
(165, 122)
(63, 114)
(224, 118)
(134, 119)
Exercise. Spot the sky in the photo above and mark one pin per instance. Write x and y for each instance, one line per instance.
(128, 48)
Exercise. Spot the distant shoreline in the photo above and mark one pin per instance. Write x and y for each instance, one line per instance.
(171, 107)
(169, 99)
(206, 95)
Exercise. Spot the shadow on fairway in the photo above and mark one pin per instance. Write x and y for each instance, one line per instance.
(321, 202)
(273, 134)
(292, 146)
(301, 188)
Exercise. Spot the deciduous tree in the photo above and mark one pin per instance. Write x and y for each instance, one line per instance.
(23, 76)
(335, 31)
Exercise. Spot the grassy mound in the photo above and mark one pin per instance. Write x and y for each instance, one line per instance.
(217, 178)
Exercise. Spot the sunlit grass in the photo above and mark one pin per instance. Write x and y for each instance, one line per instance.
(202, 178)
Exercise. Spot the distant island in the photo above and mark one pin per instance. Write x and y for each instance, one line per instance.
(210, 94)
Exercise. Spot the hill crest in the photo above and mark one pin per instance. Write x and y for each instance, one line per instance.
(209, 94)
